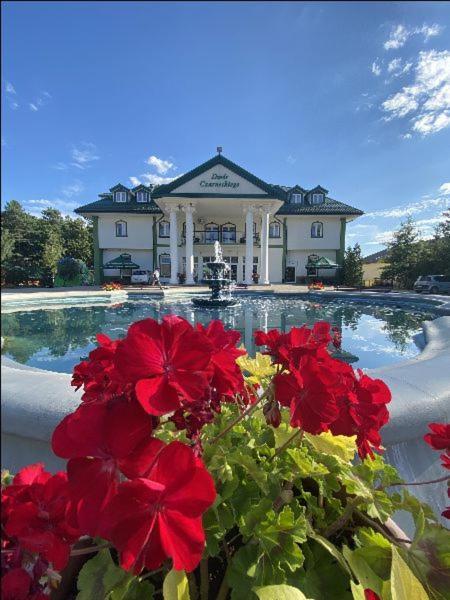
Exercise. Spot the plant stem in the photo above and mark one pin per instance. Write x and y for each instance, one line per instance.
(224, 587)
(240, 417)
(342, 520)
(281, 448)
(193, 589)
(204, 579)
(444, 478)
(90, 550)
(381, 529)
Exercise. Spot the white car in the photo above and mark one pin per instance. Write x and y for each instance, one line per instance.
(140, 276)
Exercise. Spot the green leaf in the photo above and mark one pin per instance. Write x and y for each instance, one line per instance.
(404, 584)
(176, 586)
(357, 591)
(331, 548)
(363, 572)
(99, 576)
(279, 592)
(337, 445)
(134, 590)
(252, 468)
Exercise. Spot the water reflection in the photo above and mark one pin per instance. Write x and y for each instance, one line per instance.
(57, 339)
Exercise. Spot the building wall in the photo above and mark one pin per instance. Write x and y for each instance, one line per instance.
(219, 180)
(139, 230)
(299, 233)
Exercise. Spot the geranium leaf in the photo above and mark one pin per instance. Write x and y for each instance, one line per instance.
(357, 591)
(279, 592)
(404, 584)
(99, 576)
(176, 586)
(336, 445)
(363, 572)
(331, 548)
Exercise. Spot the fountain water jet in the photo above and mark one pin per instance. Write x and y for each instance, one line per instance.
(219, 283)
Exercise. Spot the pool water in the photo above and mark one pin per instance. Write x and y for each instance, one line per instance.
(57, 339)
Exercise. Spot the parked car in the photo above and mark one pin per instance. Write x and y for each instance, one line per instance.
(140, 276)
(433, 284)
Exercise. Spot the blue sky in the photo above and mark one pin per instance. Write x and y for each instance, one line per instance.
(352, 96)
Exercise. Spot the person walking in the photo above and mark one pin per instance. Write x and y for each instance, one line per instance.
(156, 280)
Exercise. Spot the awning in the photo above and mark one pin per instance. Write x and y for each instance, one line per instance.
(320, 262)
(121, 262)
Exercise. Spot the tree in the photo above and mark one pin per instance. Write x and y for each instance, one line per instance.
(52, 251)
(441, 246)
(352, 267)
(77, 239)
(403, 255)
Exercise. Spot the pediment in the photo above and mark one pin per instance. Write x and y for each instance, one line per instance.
(219, 180)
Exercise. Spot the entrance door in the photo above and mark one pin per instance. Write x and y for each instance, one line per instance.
(289, 276)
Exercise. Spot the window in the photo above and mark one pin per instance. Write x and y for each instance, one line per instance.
(211, 233)
(317, 198)
(121, 229)
(317, 229)
(164, 265)
(296, 198)
(120, 196)
(274, 230)
(228, 233)
(164, 229)
(142, 197)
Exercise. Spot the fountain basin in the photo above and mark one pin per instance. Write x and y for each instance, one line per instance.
(214, 302)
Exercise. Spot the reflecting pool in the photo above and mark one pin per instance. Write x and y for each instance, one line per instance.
(56, 339)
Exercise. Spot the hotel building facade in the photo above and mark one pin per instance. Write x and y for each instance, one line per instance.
(173, 227)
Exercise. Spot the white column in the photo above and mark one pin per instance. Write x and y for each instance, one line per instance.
(189, 245)
(249, 247)
(265, 247)
(173, 245)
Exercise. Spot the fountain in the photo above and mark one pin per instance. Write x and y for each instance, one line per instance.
(219, 283)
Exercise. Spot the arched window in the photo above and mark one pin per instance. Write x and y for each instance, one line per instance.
(121, 229)
(228, 233)
(211, 233)
(274, 230)
(317, 229)
(164, 229)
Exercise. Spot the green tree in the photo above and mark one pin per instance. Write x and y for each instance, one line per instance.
(52, 251)
(441, 246)
(352, 267)
(404, 255)
(77, 239)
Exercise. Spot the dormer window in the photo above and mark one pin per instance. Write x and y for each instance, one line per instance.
(120, 196)
(142, 196)
(317, 199)
(296, 198)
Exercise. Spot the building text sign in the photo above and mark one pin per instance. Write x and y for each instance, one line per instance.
(217, 180)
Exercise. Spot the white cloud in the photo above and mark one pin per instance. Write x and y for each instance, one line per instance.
(161, 166)
(405, 210)
(33, 107)
(396, 68)
(60, 166)
(72, 189)
(376, 68)
(445, 189)
(14, 105)
(85, 153)
(9, 88)
(35, 207)
(152, 179)
(406, 136)
(428, 95)
(135, 181)
(400, 34)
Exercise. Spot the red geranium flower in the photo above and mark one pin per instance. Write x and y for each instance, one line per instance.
(101, 441)
(168, 362)
(160, 516)
(227, 379)
(371, 595)
(439, 439)
(16, 585)
(36, 517)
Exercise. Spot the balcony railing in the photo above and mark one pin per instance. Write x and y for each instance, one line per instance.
(224, 237)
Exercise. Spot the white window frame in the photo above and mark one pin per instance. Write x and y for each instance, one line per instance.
(164, 229)
(142, 196)
(278, 228)
(296, 198)
(120, 196)
(317, 229)
(317, 198)
(121, 226)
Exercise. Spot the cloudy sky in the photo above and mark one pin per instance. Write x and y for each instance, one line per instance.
(352, 96)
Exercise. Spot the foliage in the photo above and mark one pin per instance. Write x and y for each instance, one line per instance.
(72, 272)
(409, 257)
(112, 286)
(32, 245)
(352, 267)
(198, 471)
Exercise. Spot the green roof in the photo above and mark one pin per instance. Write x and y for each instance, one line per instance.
(106, 202)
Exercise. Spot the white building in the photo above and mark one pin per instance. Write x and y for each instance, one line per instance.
(174, 226)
